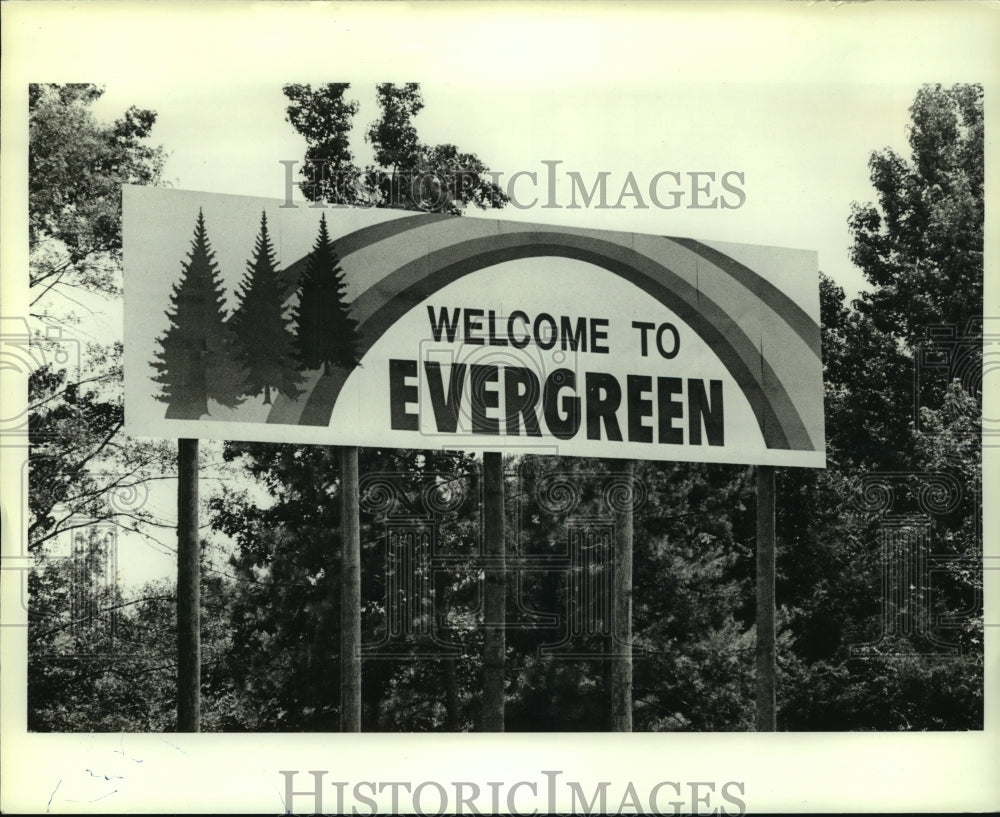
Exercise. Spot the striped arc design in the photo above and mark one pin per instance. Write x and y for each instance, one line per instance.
(731, 307)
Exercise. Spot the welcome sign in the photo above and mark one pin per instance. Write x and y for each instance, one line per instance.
(250, 320)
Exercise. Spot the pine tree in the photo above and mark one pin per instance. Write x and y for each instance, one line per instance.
(264, 337)
(196, 362)
(327, 334)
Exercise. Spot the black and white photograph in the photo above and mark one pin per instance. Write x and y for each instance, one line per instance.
(490, 408)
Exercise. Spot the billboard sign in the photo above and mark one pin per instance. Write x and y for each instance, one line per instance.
(249, 320)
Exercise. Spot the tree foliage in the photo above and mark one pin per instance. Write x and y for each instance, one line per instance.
(921, 245)
(394, 136)
(325, 117)
(76, 167)
(903, 395)
(407, 174)
(81, 469)
(272, 624)
(84, 476)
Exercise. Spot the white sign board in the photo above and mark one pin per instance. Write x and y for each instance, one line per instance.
(250, 320)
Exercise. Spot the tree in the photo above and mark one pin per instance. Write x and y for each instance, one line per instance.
(397, 149)
(84, 676)
(78, 460)
(450, 179)
(324, 118)
(921, 246)
(84, 476)
(413, 176)
(81, 472)
(327, 334)
(197, 359)
(394, 135)
(693, 599)
(265, 342)
(407, 173)
(76, 167)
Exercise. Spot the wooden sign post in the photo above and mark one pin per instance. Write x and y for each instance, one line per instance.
(188, 590)
(766, 668)
(495, 606)
(621, 633)
(350, 592)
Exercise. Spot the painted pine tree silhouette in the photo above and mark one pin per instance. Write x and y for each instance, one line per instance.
(265, 342)
(196, 358)
(327, 334)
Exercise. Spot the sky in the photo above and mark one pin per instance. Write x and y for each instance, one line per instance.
(802, 148)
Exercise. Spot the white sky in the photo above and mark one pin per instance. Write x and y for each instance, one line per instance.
(803, 147)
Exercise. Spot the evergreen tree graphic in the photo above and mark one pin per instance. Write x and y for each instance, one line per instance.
(327, 334)
(196, 357)
(266, 346)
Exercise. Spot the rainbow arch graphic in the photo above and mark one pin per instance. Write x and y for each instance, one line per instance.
(767, 341)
